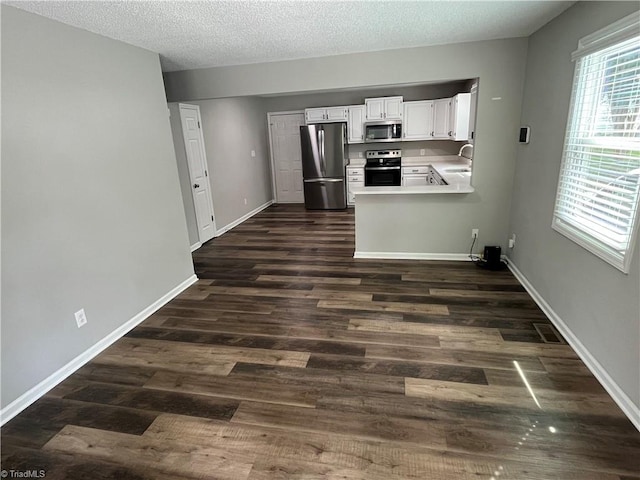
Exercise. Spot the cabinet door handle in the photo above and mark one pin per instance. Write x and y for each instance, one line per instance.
(195, 185)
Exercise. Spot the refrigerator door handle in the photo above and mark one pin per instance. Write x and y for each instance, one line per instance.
(323, 180)
(323, 161)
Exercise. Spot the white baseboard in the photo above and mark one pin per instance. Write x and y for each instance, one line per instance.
(26, 399)
(631, 410)
(413, 256)
(237, 222)
(195, 246)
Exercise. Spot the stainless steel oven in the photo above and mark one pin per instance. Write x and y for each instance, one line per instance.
(383, 168)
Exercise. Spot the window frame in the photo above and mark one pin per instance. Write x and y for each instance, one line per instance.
(615, 34)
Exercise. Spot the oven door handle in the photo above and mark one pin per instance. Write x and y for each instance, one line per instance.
(382, 168)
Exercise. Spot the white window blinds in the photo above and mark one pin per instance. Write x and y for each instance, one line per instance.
(599, 185)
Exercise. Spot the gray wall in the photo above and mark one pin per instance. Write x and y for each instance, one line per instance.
(183, 174)
(597, 302)
(232, 127)
(358, 95)
(91, 210)
(418, 65)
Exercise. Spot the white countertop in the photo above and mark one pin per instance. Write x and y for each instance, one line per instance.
(356, 162)
(457, 182)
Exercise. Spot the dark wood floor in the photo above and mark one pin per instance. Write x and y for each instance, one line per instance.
(291, 360)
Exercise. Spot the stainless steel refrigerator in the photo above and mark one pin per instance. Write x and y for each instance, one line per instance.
(324, 151)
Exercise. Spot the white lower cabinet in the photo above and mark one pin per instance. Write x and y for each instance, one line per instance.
(355, 178)
(415, 176)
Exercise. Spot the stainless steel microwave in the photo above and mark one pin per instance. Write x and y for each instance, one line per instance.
(383, 131)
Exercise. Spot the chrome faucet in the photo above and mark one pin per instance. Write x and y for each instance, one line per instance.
(463, 147)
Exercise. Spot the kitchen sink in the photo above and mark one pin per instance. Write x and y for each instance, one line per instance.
(458, 170)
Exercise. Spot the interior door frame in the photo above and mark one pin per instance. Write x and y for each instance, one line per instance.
(206, 169)
(272, 163)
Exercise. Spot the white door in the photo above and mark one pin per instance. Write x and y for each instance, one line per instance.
(197, 161)
(286, 160)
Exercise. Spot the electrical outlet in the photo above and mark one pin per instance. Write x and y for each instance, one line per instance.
(423, 152)
(474, 233)
(81, 318)
(512, 241)
(359, 154)
(245, 201)
(253, 153)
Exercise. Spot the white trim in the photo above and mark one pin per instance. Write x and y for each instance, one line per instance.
(617, 32)
(274, 191)
(463, 257)
(237, 222)
(195, 246)
(27, 398)
(631, 410)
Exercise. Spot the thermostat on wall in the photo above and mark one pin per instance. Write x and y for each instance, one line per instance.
(525, 132)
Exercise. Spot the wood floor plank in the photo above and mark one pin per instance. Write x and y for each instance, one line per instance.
(385, 307)
(451, 373)
(285, 393)
(156, 401)
(454, 357)
(314, 280)
(264, 342)
(172, 457)
(443, 332)
(338, 423)
(548, 400)
(187, 357)
(270, 292)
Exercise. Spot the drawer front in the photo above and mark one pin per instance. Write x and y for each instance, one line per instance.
(355, 170)
(356, 177)
(415, 170)
(414, 180)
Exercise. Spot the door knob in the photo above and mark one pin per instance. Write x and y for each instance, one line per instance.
(195, 185)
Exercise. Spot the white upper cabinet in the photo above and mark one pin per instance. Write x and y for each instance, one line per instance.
(325, 114)
(417, 123)
(472, 112)
(441, 128)
(337, 114)
(355, 124)
(459, 117)
(383, 108)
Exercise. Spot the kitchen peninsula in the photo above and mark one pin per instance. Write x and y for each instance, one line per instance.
(404, 222)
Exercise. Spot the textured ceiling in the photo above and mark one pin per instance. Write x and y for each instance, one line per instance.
(197, 34)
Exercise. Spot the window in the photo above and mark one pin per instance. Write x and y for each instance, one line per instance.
(599, 186)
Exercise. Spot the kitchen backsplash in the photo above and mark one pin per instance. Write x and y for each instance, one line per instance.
(409, 149)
